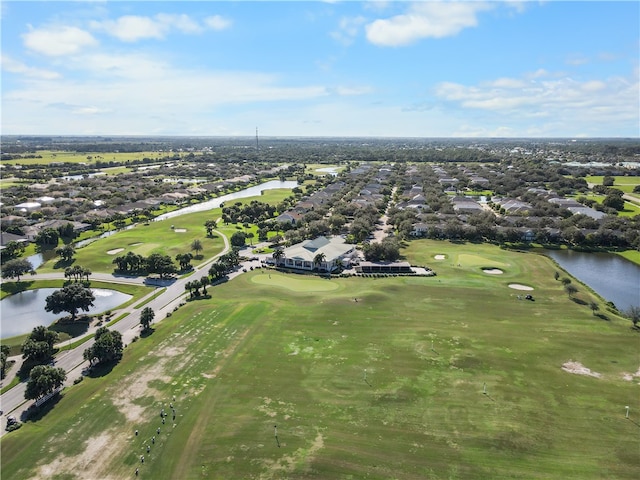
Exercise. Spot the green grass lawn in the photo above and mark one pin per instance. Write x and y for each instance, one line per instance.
(630, 208)
(49, 156)
(625, 184)
(293, 353)
(145, 239)
(159, 237)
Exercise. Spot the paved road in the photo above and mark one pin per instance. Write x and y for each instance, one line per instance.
(13, 402)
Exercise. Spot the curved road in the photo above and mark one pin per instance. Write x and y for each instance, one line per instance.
(13, 402)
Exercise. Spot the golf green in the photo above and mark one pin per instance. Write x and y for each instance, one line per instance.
(294, 282)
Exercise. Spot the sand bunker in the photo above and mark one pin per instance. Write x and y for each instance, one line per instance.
(179, 230)
(518, 286)
(114, 251)
(440, 257)
(493, 271)
(135, 244)
(579, 369)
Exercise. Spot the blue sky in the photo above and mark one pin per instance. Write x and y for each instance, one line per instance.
(326, 68)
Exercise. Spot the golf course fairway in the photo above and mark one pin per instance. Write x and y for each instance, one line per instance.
(447, 377)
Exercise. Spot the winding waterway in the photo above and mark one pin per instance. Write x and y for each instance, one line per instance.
(38, 259)
(613, 277)
(216, 202)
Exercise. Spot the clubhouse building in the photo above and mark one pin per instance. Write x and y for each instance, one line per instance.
(303, 256)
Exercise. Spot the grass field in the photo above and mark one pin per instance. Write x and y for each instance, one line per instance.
(159, 237)
(630, 208)
(373, 378)
(625, 184)
(90, 158)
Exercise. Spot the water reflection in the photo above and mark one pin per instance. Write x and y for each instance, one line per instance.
(613, 277)
(23, 311)
(216, 202)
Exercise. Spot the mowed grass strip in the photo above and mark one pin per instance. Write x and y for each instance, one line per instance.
(254, 356)
(158, 237)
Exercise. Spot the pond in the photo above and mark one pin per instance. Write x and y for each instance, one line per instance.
(613, 277)
(23, 311)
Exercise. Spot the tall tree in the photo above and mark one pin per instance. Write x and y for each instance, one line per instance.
(107, 347)
(12, 249)
(160, 264)
(278, 254)
(196, 246)
(210, 225)
(4, 355)
(318, 259)
(47, 237)
(15, 268)
(633, 314)
(39, 344)
(238, 239)
(44, 379)
(146, 317)
(204, 281)
(570, 289)
(184, 260)
(70, 299)
(66, 252)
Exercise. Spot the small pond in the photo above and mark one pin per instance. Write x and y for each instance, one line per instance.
(614, 277)
(23, 311)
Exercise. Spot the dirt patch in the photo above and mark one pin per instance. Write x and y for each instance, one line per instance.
(225, 354)
(630, 376)
(115, 251)
(440, 257)
(578, 369)
(518, 286)
(97, 453)
(492, 271)
(288, 463)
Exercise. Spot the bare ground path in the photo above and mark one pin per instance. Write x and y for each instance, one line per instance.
(13, 402)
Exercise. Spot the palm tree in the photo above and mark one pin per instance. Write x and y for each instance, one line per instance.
(196, 246)
(204, 281)
(146, 317)
(277, 255)
(189, 287)
(86, 272)
(318, 259)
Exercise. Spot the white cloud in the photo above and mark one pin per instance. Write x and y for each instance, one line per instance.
(348, 28)
(569, 102)
(349, 91)
(12, 65)
(58, 41)
(425, 20)
(216, 22)
(131, 28)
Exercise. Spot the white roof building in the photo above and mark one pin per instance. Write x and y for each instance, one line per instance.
(302, 255)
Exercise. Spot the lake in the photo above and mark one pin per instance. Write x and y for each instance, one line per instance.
(23, 311)
(613, 277)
